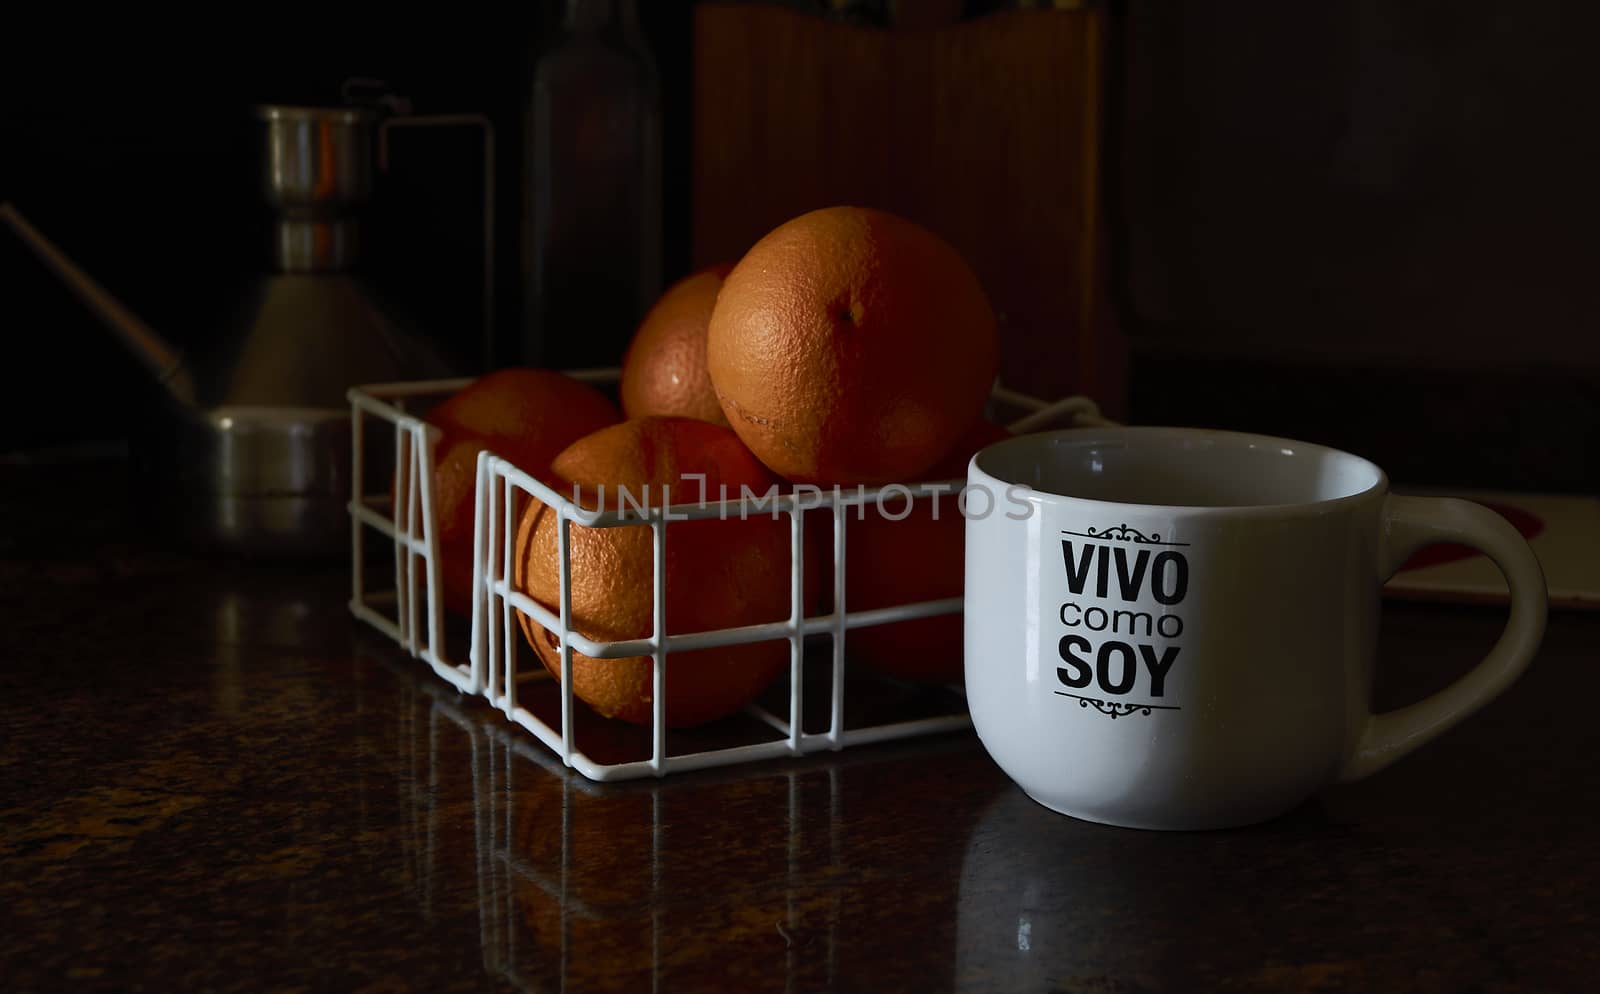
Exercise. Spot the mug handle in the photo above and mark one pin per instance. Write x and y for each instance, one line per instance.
(1409, 523)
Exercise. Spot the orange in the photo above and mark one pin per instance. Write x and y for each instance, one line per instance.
(524, 415)
(917, 558)
(664, 369)
(851, 346)
(719, 573)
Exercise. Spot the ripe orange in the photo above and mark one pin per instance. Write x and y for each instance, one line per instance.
(917, 558)
(851, 346)
(524, 415)
(719, 573)
(664, 369)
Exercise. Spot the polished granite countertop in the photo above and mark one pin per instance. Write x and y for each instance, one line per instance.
(213, 779)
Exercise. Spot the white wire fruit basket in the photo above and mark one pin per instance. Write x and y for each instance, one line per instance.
(805, 713)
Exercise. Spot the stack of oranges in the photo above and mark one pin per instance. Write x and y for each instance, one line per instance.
(847, 347)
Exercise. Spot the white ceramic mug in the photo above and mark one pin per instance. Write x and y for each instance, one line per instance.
(1176, 628)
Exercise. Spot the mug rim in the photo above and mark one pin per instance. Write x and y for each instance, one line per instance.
(1379, 486)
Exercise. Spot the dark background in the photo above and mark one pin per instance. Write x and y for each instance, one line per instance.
(1364, 223)
(133, 148)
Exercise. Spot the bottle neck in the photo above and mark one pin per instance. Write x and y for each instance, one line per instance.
(591, 16)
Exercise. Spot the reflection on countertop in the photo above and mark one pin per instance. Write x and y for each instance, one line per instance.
(742, 879)
(212, 778)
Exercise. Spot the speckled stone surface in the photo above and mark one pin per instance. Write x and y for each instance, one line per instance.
(211, 779)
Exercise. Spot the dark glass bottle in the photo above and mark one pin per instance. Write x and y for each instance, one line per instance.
(592, 203)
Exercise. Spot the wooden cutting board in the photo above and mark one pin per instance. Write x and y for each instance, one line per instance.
(987, 131)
